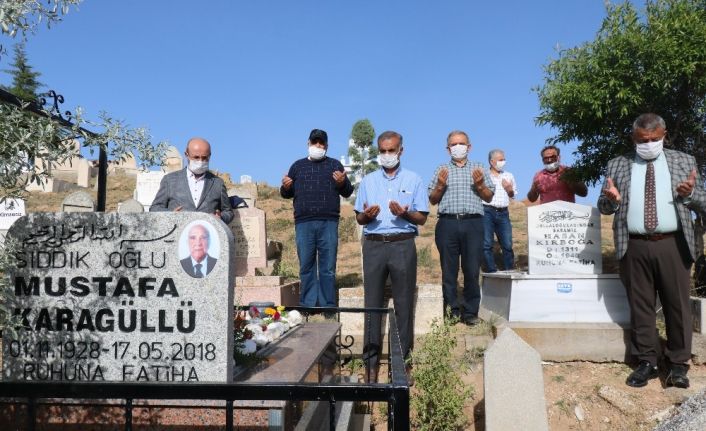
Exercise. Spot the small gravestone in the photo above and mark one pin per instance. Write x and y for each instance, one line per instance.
(513, 386)
(172, 160)
(83, 173)
(147, 186)
(564, 238)
(78, 202)
(10, 211)
(248, 227)
(131, 206)
(114, 297)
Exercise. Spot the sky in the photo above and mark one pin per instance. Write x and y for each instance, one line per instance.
(254, 77)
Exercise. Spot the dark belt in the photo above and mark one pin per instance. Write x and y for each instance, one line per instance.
(490, 207)
(392, 237)
(460, 216)
(652, 236)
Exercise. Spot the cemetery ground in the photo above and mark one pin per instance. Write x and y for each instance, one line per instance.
(579, 395)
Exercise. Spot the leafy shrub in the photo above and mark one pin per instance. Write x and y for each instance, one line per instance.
(439, 394)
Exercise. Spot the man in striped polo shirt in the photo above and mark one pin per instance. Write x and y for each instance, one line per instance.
(460, 187)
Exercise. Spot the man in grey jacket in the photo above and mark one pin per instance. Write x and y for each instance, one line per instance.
(194, 188)
(651, 192)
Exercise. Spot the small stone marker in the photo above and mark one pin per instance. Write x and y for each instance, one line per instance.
(564, 238)
(83, 173)
(114, 297)
(172, 160)
(248, 227)
(513, 385)
(131, 206)
(78, 202)
(147, 186)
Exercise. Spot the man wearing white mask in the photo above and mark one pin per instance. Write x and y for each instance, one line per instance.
(496, 217)
(651, 193)
(460, 187)
(194, 188)
(316, 183)
(552, 183)
(390, 204)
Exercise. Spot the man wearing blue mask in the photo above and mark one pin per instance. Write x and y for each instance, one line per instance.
(390, 204)
(194, 188)
(460, 187)
(316, 183)
(651, 193)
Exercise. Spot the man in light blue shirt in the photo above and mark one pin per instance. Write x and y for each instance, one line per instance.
(390, 204)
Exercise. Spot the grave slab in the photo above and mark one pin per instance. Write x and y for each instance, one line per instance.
(518, 296)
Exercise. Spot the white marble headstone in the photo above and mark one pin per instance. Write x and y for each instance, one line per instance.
(564, 238)
(147, 186)
(111, 297)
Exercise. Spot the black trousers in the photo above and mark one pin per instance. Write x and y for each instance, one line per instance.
(651, 268)
(398, 260)
(460, 239)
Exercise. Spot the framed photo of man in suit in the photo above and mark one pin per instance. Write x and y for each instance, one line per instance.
(199, 248)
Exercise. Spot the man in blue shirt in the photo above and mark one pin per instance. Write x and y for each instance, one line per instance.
(315, 183)
(391, 203)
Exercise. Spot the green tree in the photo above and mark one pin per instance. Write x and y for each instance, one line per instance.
(24, 79)
(27, 135)
(640, 61)
(363, 154)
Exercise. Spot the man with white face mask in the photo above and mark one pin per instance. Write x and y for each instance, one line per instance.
(316, 183)
(496, 216)
(194, 188)
(460, 187)
(552, 183)
(651, 193)
(390, 204)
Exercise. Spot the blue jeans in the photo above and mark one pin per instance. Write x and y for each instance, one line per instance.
(460, 240)
(317, 246)
(497, 222)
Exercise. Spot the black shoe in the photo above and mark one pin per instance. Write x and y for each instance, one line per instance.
(371, 374)
(644, 372)
(677, 376)
(471, 320)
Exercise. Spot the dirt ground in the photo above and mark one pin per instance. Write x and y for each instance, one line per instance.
(573, 391)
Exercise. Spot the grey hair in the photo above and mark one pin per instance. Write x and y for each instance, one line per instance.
(494, 152)
(649, 121)
(457, 132)
(389, 135)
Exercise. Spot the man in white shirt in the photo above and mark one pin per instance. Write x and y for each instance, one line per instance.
(194, 188)
(496, 217)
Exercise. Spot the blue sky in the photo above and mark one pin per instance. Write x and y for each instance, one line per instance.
(254, 77)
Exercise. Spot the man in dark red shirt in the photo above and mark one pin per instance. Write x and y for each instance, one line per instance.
(551, 183)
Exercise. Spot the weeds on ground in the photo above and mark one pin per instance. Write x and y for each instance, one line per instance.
(424, 259)
(347, 229)
(439, 393)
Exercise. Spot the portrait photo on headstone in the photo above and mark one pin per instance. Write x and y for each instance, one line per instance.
(199, 248)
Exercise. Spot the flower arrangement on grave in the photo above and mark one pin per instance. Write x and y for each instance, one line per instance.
(255, 329)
